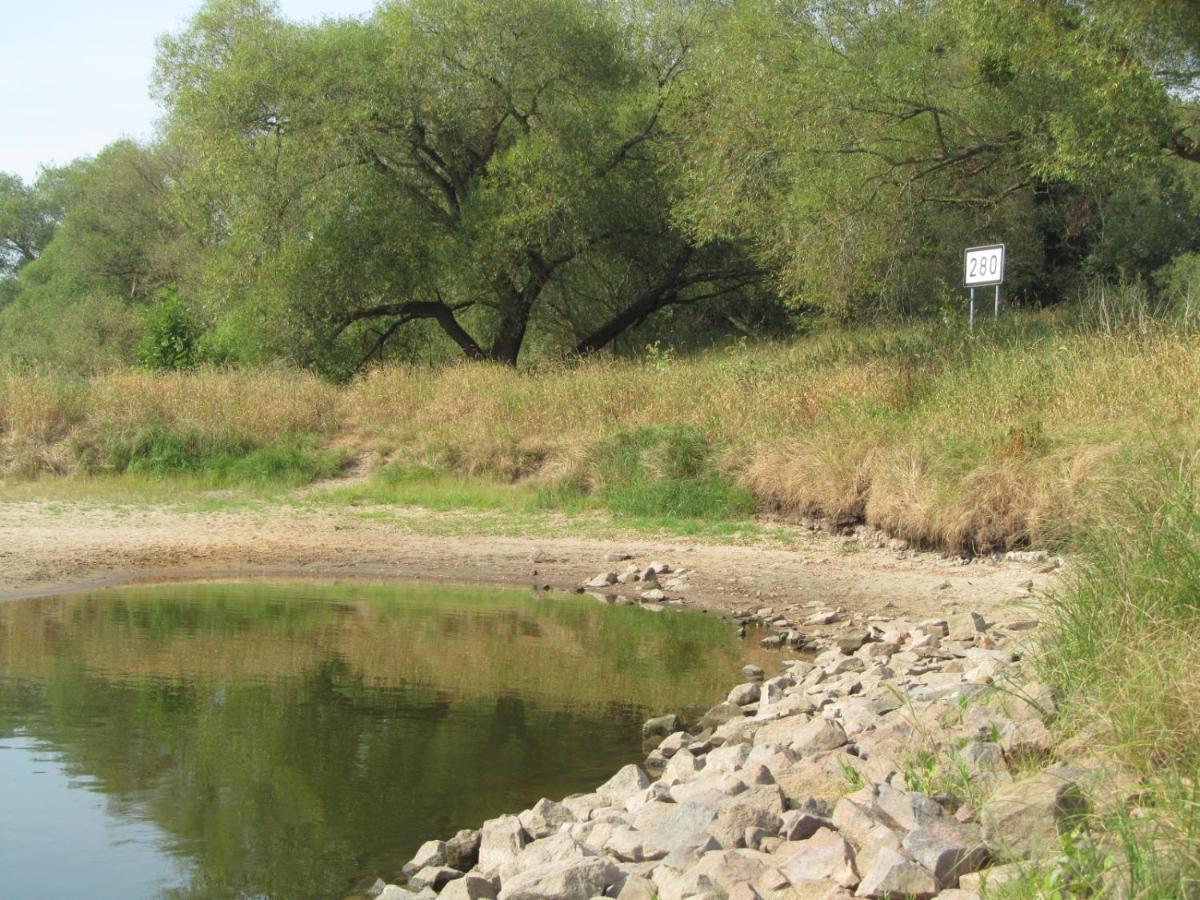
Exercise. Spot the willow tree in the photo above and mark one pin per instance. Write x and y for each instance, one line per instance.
(487, 168)
(860, 143)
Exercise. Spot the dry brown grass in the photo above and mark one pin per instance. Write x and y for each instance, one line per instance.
(967, 444)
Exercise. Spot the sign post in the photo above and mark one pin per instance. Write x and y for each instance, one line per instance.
(983, 267)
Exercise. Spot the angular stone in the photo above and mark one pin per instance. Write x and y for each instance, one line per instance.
(728, 758)
(629, 845)
(469, 887)
(684, 766)
(675, 742)
(556, 849)
(799, 825)
(436, 877)
(500, 841)
(1024, 820)
(638, 887)
(855, 820)
(604, 579)
(545, 818)
(731, 825)
(660, 726)
(817, 735)
(719, 715)
(582, 805)
(736, 731)
(462, 850)
(947, 848)
(904, 810)
(745, 694)
(826, 856)
(983, 762)
(1027, 736)
(993, 877)
(893, 875)
(579, 879)
(720, 871)
(395, 892)
(627, 782)
(430, 853)
(674, 827)
(964, 626)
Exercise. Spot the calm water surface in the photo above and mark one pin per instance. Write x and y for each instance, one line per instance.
(297, 740)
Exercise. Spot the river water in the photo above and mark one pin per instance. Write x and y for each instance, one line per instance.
(289, 739)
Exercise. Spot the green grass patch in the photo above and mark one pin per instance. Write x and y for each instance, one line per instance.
(667, 473)
(209, 460)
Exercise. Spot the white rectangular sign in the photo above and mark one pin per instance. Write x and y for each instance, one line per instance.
(983, 266)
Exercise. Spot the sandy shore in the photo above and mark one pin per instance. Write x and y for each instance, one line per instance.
(48, 548)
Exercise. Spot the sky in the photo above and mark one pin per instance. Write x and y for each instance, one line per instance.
(75, 74)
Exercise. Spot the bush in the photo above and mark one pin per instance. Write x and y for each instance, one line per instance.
(170, 334)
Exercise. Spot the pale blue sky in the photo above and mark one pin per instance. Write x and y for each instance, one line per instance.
(75, 74)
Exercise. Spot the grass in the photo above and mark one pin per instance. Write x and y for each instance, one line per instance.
(1122, 650)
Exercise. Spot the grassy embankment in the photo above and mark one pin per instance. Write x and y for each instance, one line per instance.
(1035, 432)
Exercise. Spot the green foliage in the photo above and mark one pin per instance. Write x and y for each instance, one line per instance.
(666, 472)
(495, 172)
(170, 334)
(859, 146)
(216, 459)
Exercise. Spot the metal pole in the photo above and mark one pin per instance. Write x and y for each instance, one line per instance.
(997, 301)
(971, 322)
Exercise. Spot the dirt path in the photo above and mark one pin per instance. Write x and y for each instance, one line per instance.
(48, 548)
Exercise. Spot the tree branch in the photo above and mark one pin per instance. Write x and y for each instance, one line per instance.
(441, 312)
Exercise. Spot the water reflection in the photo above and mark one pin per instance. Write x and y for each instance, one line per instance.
(289, 740)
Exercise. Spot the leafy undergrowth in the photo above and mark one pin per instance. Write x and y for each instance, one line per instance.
(1121, 648)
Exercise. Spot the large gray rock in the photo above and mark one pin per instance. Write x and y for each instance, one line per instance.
(500, 841)
(675, 742)
(435, 877)
(395, 892)
(430, 853)
(682, 767)
(802, 823)
(728, 758)
(545, 818)
(857, 820)
(579, 879)
(638, 887)
(965, 626)
(826, 856)
(630, 845)
(660, 726)
(718, 872)
(719, 715)
(628, 781)
(1024, 819)
(558, 848)
(947, 848)
(817, 735)
(674, 827)
(469, 887)
(730, 827)
(462, 850)
(905, 810)
(893, 875)
(983, 762)
(745, 694)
